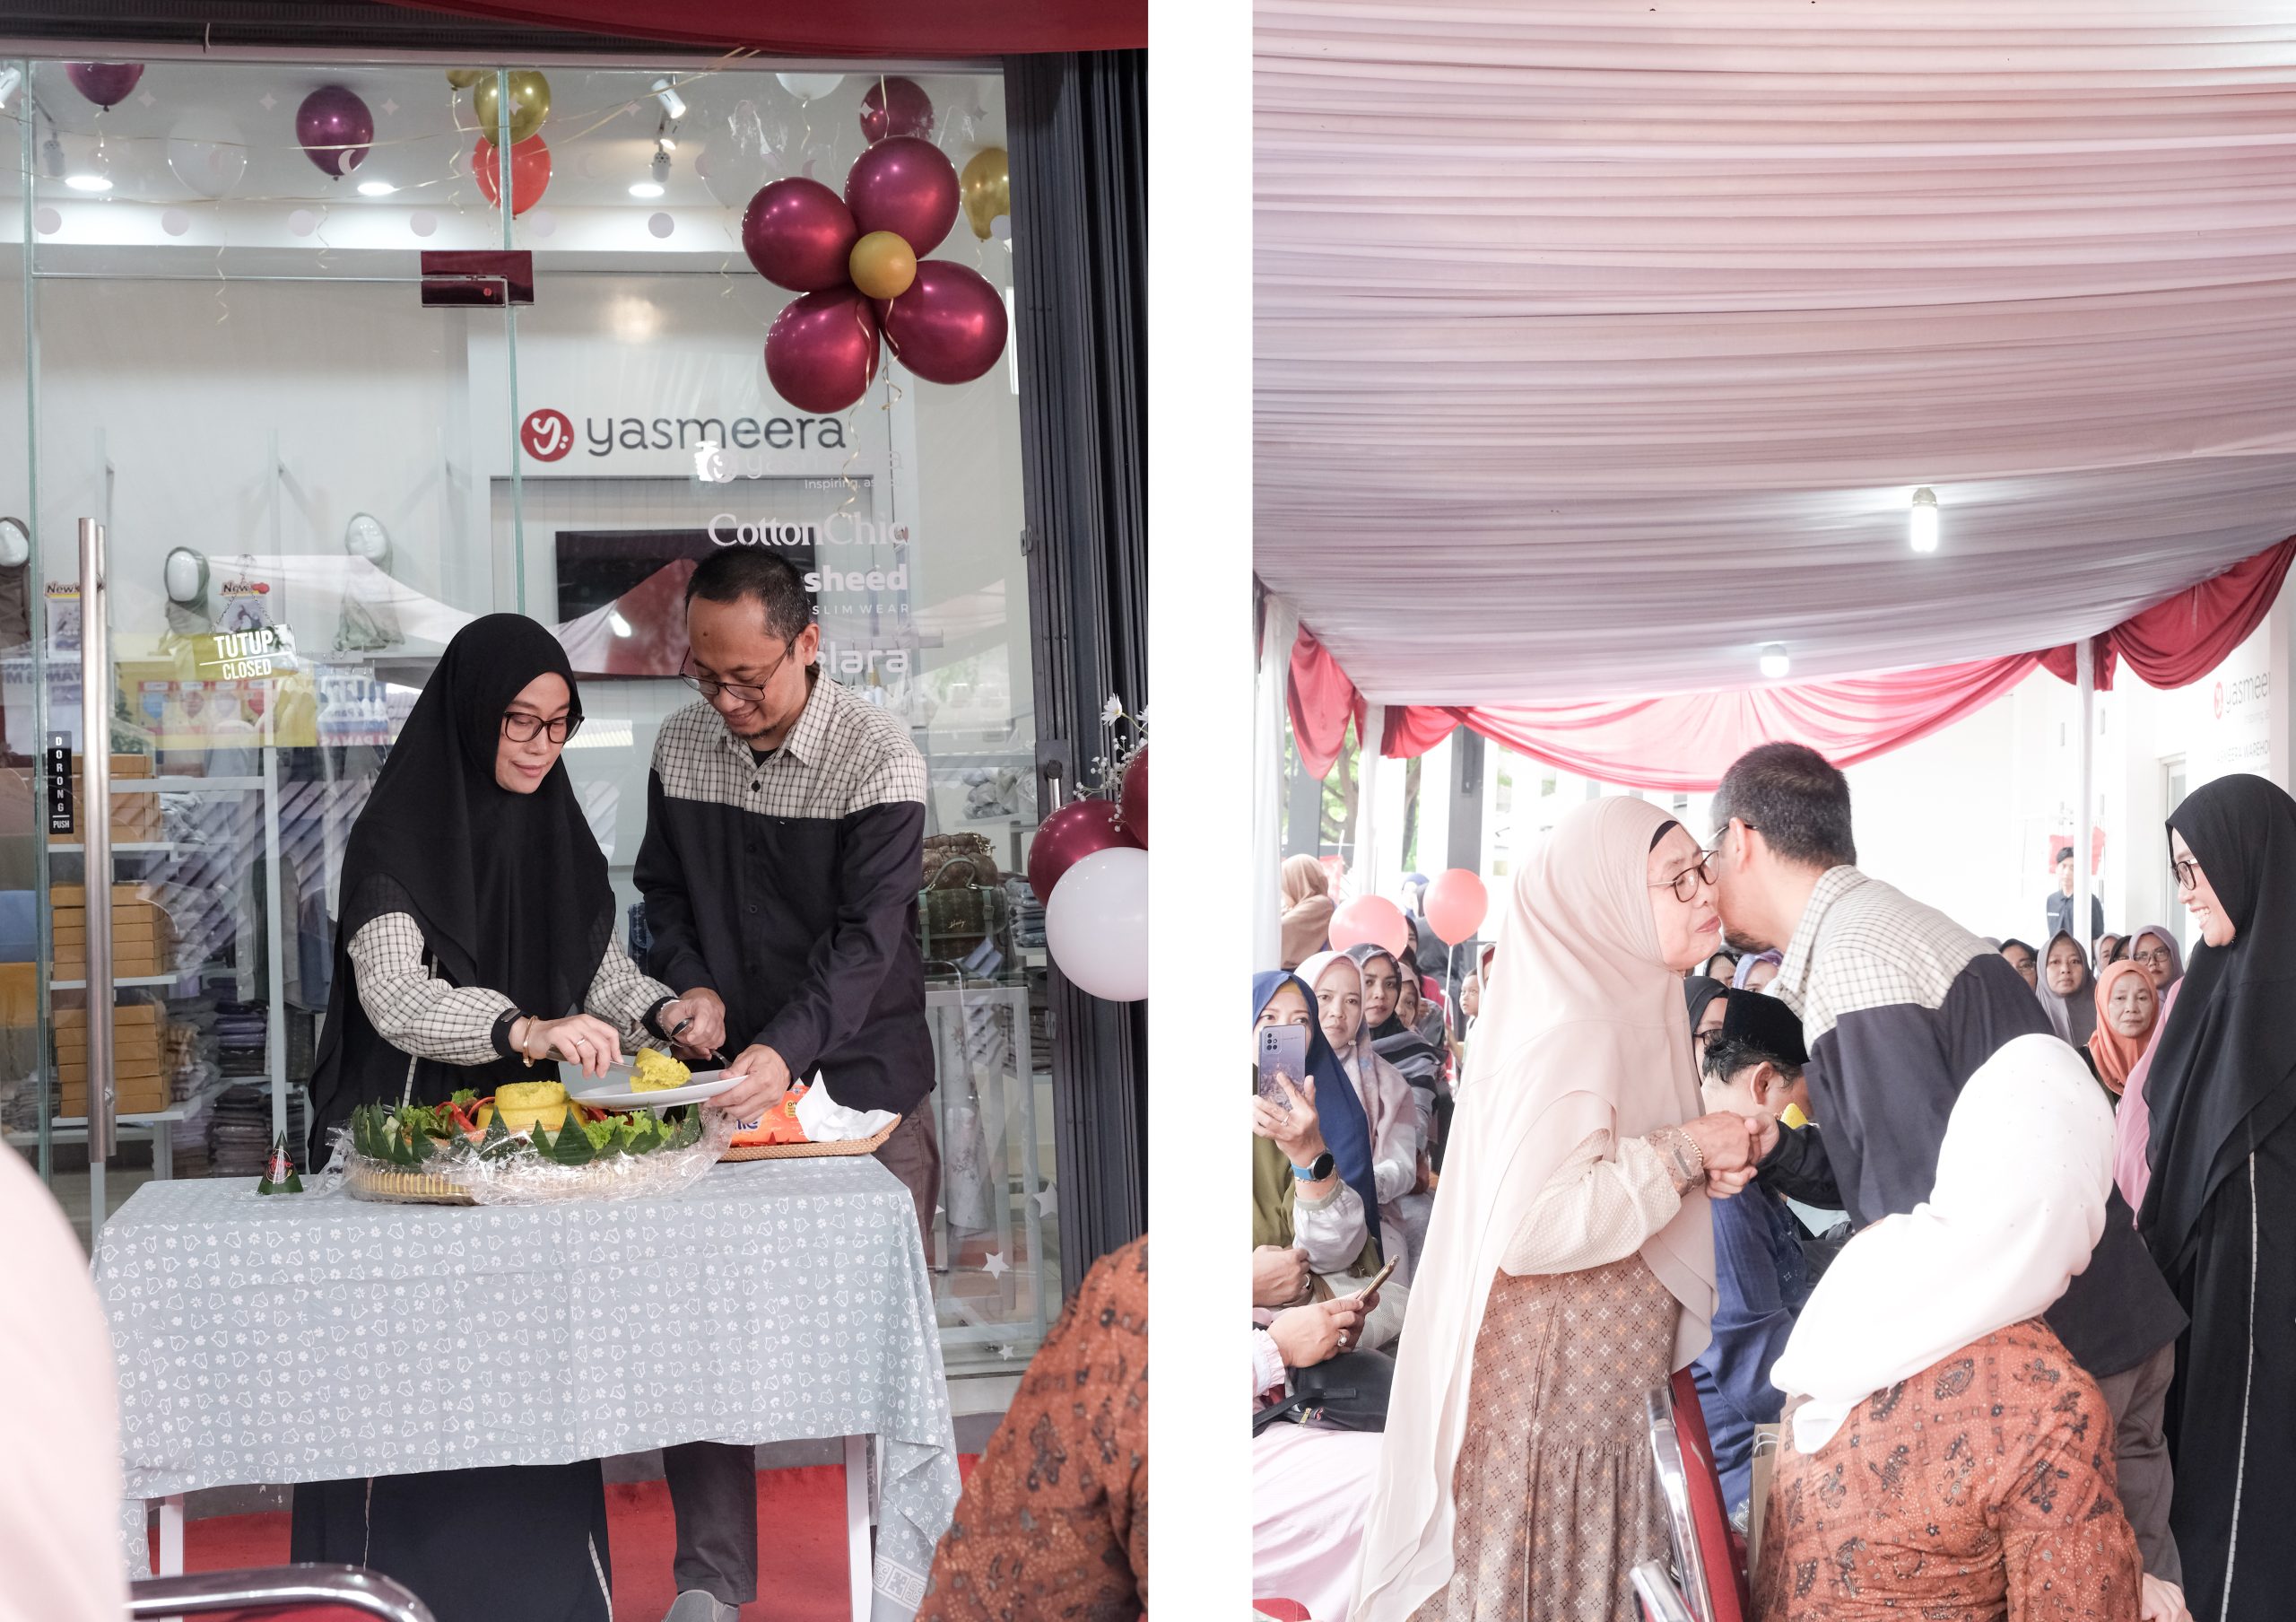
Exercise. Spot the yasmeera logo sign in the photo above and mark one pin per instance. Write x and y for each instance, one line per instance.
(549, 435)
(546, 434)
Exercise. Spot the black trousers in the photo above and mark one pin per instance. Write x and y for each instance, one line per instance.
(713, 1485)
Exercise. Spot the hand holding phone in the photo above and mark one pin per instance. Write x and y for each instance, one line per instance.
(1282, 1051)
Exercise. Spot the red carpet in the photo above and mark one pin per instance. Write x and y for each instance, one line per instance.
(801, 1545)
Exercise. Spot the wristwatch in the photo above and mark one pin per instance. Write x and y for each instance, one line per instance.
(1315, 1170)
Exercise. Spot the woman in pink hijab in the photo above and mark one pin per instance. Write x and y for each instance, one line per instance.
(1569, 1266)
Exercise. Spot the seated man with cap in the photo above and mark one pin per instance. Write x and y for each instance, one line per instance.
(1752, 1067)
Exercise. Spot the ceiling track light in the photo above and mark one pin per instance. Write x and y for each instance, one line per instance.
(1774, 662)
(665, 93)
(1922, 529)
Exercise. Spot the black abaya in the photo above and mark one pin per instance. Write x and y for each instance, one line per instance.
(465, 1542)
(510, 891)
(2220, 1212)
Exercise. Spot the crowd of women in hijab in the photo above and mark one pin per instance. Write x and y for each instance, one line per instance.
(1970, 1252)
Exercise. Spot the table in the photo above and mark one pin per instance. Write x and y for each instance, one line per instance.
(307, 1338)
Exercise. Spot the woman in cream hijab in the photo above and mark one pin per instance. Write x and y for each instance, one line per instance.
(1570, 1267)
(1307, 907)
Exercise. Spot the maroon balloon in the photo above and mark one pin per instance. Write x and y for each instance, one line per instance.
(1069, 835)
(905, 185)
(896, 106)
(800, 235)
(949, 326)
(820, 353)
(107, 83)
(336, 128)
(1132, 802)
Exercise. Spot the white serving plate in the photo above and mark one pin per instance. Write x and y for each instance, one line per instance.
(612, 1092)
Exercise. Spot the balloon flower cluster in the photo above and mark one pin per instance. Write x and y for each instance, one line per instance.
(1089, 865)
(858, 264)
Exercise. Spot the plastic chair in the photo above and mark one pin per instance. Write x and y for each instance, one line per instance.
(277, 1592)
(1662, 1601)
(1706, 1554)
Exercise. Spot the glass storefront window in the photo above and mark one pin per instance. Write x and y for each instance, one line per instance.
(226, 357)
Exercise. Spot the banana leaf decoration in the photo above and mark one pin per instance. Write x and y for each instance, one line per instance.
(570, 1148)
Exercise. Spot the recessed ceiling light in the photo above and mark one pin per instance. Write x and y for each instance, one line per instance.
(1773, 660)
(647, 188)
(376, 188)
(88, 182)
(1924, 526)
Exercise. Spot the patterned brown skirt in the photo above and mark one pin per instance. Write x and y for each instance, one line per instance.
(1556, 1496)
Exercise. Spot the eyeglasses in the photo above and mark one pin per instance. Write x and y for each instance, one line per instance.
(2187, 872)
(742, 692)
(520, 727)
(2157, 958)
(1685, 884)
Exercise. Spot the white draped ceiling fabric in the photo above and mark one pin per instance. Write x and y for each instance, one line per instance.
(1599, 344)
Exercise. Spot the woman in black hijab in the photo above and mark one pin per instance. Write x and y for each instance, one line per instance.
(476, 928)
(2222, 1198)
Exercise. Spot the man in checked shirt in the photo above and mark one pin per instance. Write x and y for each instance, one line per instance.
(785, 827)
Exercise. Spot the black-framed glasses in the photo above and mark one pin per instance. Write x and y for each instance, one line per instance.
(520, 727)
(1685, 884)
(2187, 872)
(2157, 957)
(742, 692)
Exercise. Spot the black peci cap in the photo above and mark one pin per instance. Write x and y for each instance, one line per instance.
(1763, 1025)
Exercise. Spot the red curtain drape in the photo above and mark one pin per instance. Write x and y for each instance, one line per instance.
(858, 28)
(1686, 741)
(2180, 639)
(1322, 701)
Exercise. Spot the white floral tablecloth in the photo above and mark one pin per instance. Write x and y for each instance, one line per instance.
(310, 1337)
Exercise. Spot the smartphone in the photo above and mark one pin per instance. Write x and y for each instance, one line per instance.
(1380, 1278)
(1283, 1051)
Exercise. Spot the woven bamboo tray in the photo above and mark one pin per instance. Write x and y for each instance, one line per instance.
(408, 1188)
(812, 1151)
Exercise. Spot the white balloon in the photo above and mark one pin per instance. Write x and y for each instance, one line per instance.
(175, 221)
(660, 225)
(810, 87)
(207, 152)
(1096, 924)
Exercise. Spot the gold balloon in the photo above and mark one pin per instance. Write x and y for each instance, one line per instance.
(882, 264)
(988, 188)
(529, 104)
(463, 78)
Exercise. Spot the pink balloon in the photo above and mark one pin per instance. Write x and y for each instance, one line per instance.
(905, 185)
(949, 326)
(1456, 905)
(1069, 834)
(336, 128)
(105, 83)
(1133, 799)
(1370, 919)
(820, 353)
(799, 234)
(896, 106)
